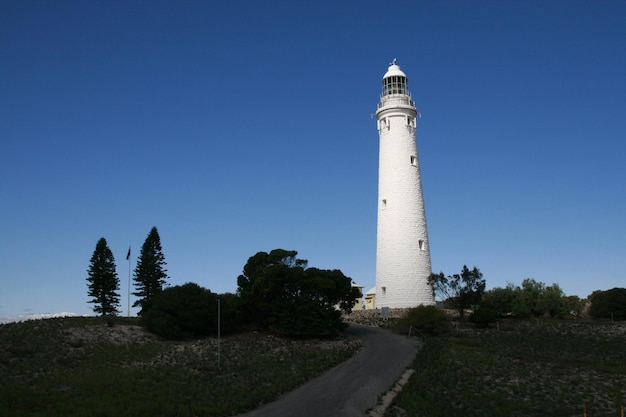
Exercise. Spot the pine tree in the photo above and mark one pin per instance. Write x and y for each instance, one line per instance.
(103, 281)
(149, 275)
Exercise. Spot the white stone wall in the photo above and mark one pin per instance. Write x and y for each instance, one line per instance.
(402, 252)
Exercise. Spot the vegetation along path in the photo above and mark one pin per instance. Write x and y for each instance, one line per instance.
(353, 387)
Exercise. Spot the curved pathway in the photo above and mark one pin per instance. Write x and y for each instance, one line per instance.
(352, 387)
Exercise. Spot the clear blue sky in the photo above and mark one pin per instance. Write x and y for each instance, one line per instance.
(245, 126)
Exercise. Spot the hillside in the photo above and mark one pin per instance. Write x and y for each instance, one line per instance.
(527, 368)
(80, 366)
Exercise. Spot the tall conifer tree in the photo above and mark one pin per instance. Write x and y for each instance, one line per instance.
(103, 282)
(149, 274)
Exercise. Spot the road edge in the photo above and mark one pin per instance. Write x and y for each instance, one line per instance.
(387, 398)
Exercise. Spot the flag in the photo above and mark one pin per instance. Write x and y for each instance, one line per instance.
(128, 254)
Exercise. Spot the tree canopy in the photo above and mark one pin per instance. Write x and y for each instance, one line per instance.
(149, 274)
(532, 298)
(103, 282)
(280, 293)
(461, 291)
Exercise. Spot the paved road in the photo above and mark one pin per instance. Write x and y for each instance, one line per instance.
(352, 387)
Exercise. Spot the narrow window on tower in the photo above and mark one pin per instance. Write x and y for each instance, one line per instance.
(414, 160)
(384, 203)
(420, 243)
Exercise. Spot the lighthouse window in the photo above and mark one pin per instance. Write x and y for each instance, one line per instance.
(414, 160)
(384, 203)
(420, 244)
(395, 85)
(385, 87)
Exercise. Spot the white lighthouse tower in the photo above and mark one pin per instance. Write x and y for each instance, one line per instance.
(402, 253)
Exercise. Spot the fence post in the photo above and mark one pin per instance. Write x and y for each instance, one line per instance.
(622, 411)
(584, 411)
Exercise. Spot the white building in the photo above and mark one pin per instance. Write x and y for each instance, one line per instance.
(370, 299)
(358, 301)
(402, 252)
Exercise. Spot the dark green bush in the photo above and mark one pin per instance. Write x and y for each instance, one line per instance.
(500, 300)
(307, 319)
(229, 312)
(427, 319)
(482, 316)
(187, 311)
(609, 304)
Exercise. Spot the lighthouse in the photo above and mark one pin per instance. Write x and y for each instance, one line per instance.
(402, 250)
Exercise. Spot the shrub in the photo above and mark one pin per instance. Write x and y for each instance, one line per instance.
(482, 316)
(500, 300)
(187, 311)
(574, 305)
(428, 319)
(527, 301)
(609, 304)
(306, 319)
(229, 312)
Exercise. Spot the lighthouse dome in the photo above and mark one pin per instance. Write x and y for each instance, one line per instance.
(394, 70)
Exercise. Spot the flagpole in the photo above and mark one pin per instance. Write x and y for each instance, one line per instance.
(128, 258)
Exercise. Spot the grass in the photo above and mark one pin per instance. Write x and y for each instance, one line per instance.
(81, 367)
(537, 368)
